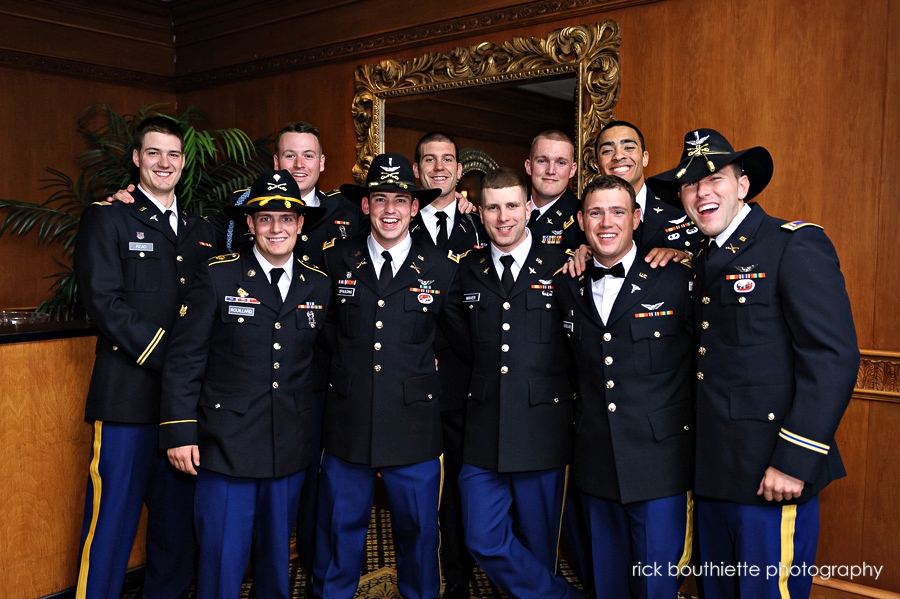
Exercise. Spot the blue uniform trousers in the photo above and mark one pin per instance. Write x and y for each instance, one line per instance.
(229, 514)
(346, 492)
(127, 470)
(778, 540)
(512, 524)
(639, 548)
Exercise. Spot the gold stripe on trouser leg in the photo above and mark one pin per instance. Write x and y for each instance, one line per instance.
(788, 526)
(97, 484)
(562, 512)
(688, 533)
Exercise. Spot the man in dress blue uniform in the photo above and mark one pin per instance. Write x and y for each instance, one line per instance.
(630, 331)
(382, 414)
(441, 223)
(237, 394)
(776, 366)
(133, 264)
(518, 432)
(551, 165)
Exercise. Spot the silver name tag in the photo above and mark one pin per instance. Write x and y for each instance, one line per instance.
(241, 310)
(140, 247)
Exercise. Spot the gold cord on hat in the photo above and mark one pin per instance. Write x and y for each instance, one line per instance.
(697, 151)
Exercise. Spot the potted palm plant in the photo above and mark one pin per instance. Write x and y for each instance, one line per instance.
(216, 163)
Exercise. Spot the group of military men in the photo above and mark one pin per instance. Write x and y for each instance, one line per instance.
(637, 369)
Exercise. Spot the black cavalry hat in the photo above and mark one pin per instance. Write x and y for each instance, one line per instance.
(390, 172)
(273, 190)
(705, 152)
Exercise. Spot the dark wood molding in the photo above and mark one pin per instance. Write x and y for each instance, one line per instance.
(83, 70)
(483, 23)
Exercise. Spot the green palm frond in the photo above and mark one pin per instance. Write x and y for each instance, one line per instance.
(217, 161)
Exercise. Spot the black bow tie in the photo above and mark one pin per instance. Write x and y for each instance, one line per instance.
(598, 272)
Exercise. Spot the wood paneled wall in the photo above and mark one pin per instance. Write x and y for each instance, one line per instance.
(817, 83)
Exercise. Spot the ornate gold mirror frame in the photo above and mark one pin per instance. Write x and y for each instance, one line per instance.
(589, 52)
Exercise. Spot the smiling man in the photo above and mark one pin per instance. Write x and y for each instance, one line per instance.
(518, 431)
(551, 165)
(442, 224)
(133, 264)
(237, 394)
(776, 366)
(382, 415)
(629, 329)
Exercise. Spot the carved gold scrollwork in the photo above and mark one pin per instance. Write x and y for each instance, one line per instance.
(590, 52)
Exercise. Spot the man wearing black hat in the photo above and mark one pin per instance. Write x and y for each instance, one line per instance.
(776, 366)
(133, 265)
(237, 393)
(382, 414)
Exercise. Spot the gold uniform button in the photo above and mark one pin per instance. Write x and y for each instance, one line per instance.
(240, 319)
(278, 325)
(704, 325)
(378, 368)
(425, 309)
(610, 384)
(705, 300)
(381, 303)
(687, 428)
(379, 324)
(608, 360)
(770, 416)
(506, 306)
(656, 334)
(699, 376)
(471, 307)
(555, 400)
(277, 346)
(275, 385)
(179, 258)
(504, 370)
(218, 405)
(304, 238)
(306, 257)
(182, 280)
(611, 407)
(701, 350)
(742, 300)
(276, 365)
(430, 396)
(504, 348)
(343, 300)
(607, 336)
(115, 348)
(548, 306)
(141, 254)
(687, 244)
(378, 346)
(505, 326)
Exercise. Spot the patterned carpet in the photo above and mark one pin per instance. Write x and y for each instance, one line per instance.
(378, 580)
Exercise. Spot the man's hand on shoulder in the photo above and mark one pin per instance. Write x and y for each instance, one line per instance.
(778, 486)
(662, 256)
(578, 263)
(123, 195)
(463, 205)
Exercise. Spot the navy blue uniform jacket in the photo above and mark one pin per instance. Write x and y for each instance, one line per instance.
(132, 275)
(777, 359)
(634, 424)
(519, 415)
(383, 405)
(238, 377)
